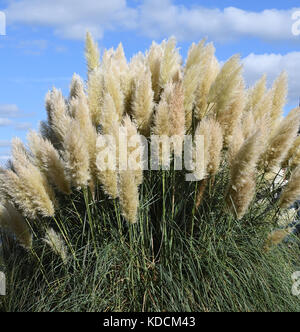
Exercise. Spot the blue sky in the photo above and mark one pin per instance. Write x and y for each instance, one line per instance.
(44, 44)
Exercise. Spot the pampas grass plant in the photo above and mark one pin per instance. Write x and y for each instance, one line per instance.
(82, 231)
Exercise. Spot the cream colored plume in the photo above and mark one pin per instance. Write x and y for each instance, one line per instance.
(282, 140)
(76, 87)
(154, 58)
(57, 244)
(292, 158)
(170, 64)
(204, 129)
(35, 182)
(235, 142)
(47, 158)
(194, 55)
(242, 176)
(209, 69)
(224, 90)
(112, 85)
(256, 93)
(279, 99)
(134, 149)
(110, 118)
(248, 124)
(291, 192)
(211, 130)
(143, 101)
(264, 107)
(192, 73)
(129, 196)
(95, 92)
(88, 131)
(92, 53)
(162, 125)
(106, 162)
(58, 118)
(76, 156)
(26, 186)
(12, 220)
(231, 118)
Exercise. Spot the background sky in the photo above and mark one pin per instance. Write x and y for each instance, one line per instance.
(44, 44)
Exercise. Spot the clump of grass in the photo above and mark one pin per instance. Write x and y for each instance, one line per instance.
(115, 239)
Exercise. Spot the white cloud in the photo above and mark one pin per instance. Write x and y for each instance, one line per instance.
(4, 143)
(71, 18)
(13, 111)
(5, 122)
(159, 17)
(23, 126)
(255, 65)
(152, 18)
(9, 110)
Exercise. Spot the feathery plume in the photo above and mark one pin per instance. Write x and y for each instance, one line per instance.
(95, 95)
(170, 64)
(143, 105)
(242, 180)
(76, 87)
(162, 125)
(194, 55)
(275, 238)
(92, 53)
(49, 162)
(154, 57)
(134, 149)
(58, 118)
(83, 117)
(129, 196)
(248, 124)
(76, 156)
(192, 72)
(209, 69)
(110, 118)
(12, 220)
(230, 119)
(226, 86)
(256, 93)
(282, 140)
(291, 192)
(112, 86)
(106, 165)
(204, 129)
(30, 177)
(26, 187)
(292, 158)
(215, 147)
(177, 114)
(235, 143)
(279, 99)
(57, 244)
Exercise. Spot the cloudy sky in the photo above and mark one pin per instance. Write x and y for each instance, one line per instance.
(43, 45)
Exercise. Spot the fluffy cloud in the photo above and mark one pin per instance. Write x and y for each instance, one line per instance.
(71, 18)
(5, 122)
(152, 18)
(12, 111)
(273, 64)
(4, 143)
(9, 110)
(162, 17)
